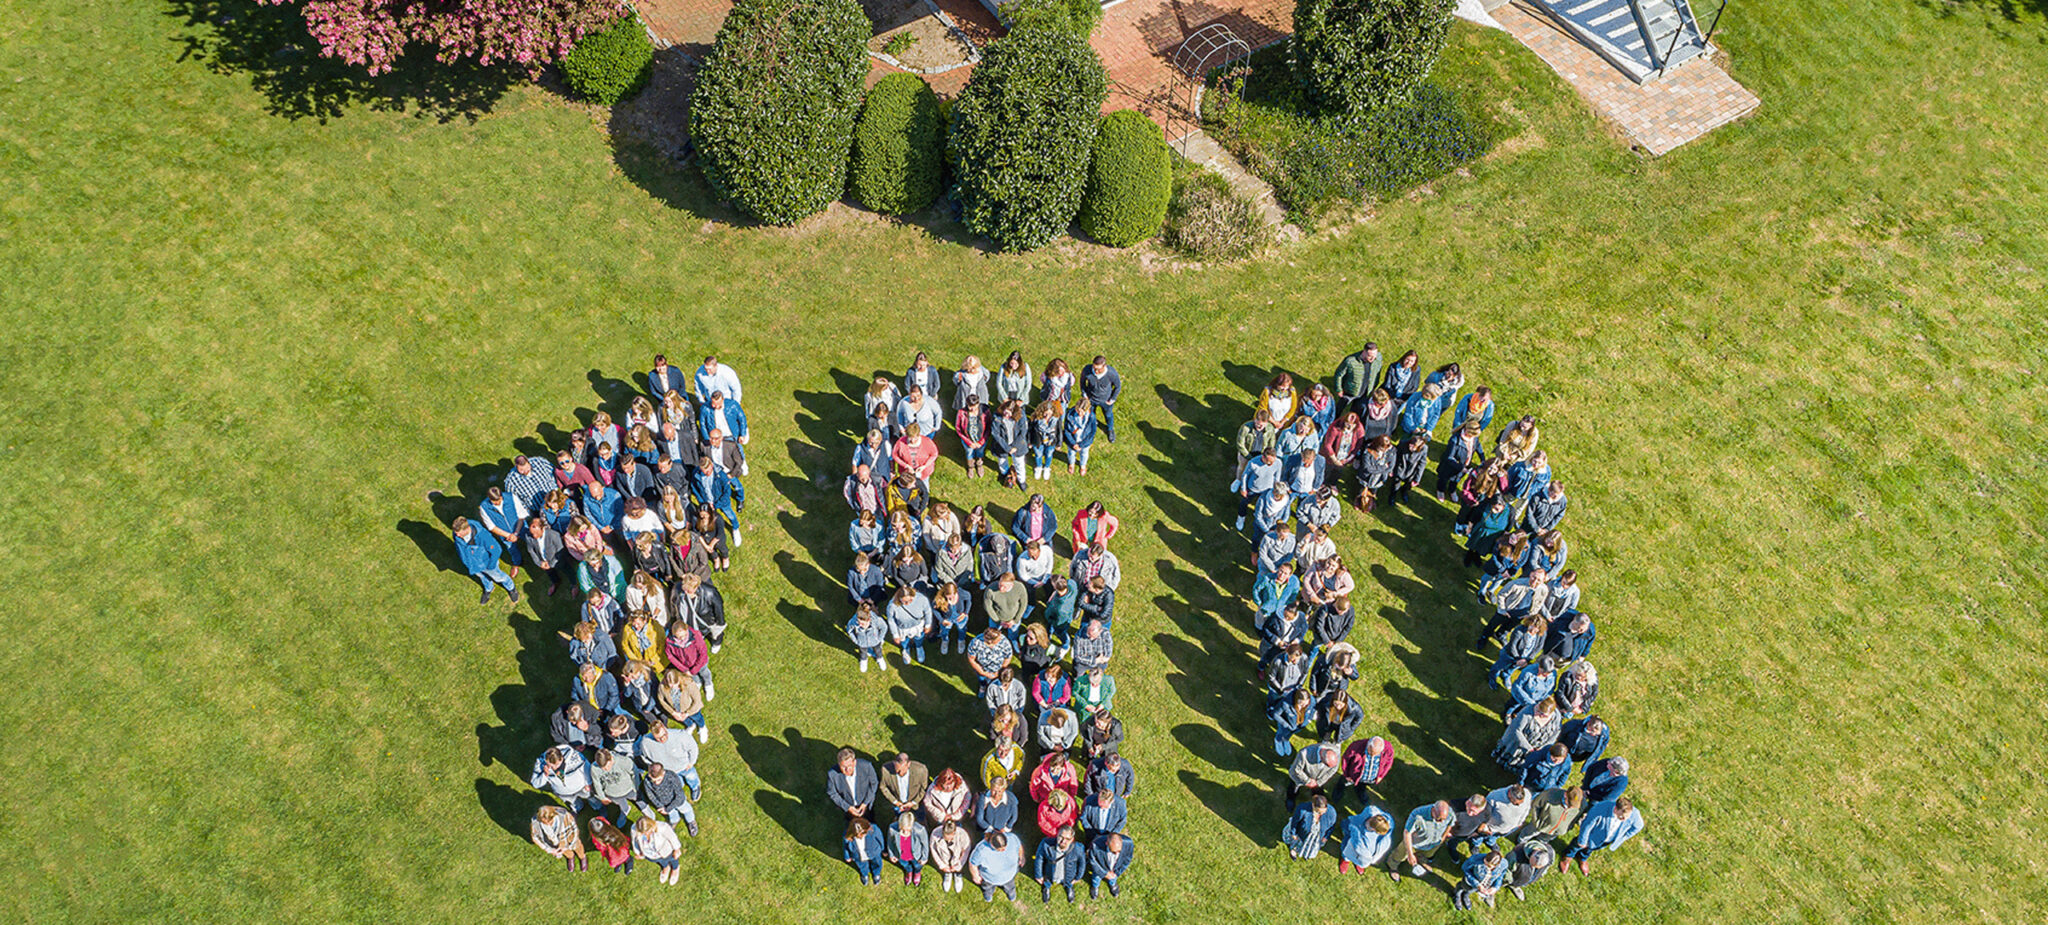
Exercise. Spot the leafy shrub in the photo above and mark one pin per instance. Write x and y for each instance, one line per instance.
(1314, 161)
(899, 43)
(775, 104)
(899, 157)
(1130, 180)
(610, 64)
(1022, 132)
(1079, 17)
(1209, 221)
(1359, 56)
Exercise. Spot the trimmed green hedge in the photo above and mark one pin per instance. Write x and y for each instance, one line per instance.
(610, 64)
(1022, 133)
(1079, 17)
(775, 104)
(899, 148)
(1360, 56)
(1130, 180)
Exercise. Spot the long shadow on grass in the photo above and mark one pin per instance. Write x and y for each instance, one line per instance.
(272, 46)
(794, 766)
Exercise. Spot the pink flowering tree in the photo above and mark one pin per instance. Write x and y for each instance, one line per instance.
(374, 33)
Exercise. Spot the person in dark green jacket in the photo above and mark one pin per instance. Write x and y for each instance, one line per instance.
(1355, 376)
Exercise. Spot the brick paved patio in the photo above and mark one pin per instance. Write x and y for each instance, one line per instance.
(1660, 115)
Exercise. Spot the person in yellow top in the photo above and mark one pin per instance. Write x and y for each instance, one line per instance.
(641, 641)
(1001, 763)
(1281, 401)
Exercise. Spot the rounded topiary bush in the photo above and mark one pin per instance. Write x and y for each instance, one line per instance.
(899, 154)
(1130, 181)
(1023, 130)
(610, 64)
(1358, 56)
(773, 113)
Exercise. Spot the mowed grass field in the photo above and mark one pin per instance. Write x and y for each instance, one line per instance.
(1790, 374)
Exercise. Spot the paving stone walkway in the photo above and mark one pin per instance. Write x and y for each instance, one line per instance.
(1660, 115)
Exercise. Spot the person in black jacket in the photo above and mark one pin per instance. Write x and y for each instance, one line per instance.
(1462, 452)
(544, 551)
(1332, 621)
(699, 602)
(851, 784)
(1010, 434)
(1410, 461)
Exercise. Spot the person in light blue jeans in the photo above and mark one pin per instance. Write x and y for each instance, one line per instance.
(1077, 431)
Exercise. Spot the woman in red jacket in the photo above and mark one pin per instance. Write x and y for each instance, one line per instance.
(1094, 524)
(1058, 809)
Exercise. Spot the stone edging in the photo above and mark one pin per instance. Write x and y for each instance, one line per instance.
(973, 51)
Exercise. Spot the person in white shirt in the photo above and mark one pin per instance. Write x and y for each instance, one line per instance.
(714, 376)
(656, 841)
(678, 753)
(563, 772)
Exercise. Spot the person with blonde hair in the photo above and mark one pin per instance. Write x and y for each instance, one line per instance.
(655, 840)
(950, 845)
(680, 701)
(554, 830)
(645, 593)
(970, 381)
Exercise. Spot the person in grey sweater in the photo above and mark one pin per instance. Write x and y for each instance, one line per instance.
(910, 621)
(614, 781)
(867, 634)
(1545, 510)
(1005, 691)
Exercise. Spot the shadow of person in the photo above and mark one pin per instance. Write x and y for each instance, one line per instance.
(794, 765)
(523, 709)
(512, 808)
(1225, 754)
(613, 395)
(1249, 807)
(434, 544)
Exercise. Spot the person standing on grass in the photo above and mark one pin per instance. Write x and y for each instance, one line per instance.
(1256, 478)
(1411, 460)
(1587, 738)
(851, 784)
(1273, 594)
(1425, 832)
(903, 783)
(1103, 813)
(1101, 385)
(544, 548)
(665, 794)
(612, 844)
(1035, 567)
(1547, 769)
(1077, 432)
(681, 702)
(1375, 464)
(996, 810)
(655, 841)
(1356, 375)
(1608, 826)
(970, 382)
(663, 379)
(674, 750)
(864, 850)
(1366, 839)
(1551, 814)
(990, 652)
(1545, 510)
(1045, 437)
(614, 782)
(1314, 770)
(1095, 560)
(1528, 731)
(994, 864)
(563, 773)
(1101, 735)
(1255, 437)
(867, 634)
(714, 376)
(1605, 780)
(922, 376)
(712, 488)
(971, 425)
(1527, 863)
(1007, 604)
(950, 845)
(554, 830)
(873, 453)
(1462, 452)
(1010, 433)
(1365, 764)
(910, 621)
(697, 603)
(948, 799)
(917, 453)
(1060, 861)
(1309, 827)
(1485, 874)
(1527, 479)
(1093, 526)
(479, 552)
(907, 845)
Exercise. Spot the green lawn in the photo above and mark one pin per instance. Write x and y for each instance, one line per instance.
(1790, 373)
